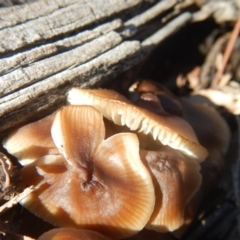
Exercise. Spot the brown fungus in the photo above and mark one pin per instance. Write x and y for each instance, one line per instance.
(169, 103)
(168, 130)
(176, 179)
(31, 141)
(214, 134)
(96, 183)
(210, 127)
(72, 234)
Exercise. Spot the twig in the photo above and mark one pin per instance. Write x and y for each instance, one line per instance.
(227, 52)
(208, 67)
(7, 167)
(16, 199)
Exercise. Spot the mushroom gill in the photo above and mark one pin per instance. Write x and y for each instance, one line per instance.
(168, 130)
(97, 184)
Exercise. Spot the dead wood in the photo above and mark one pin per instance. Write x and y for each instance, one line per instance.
(47, 49)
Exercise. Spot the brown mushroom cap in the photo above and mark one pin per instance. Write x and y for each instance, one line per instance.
(102, 185)
(167, 100)
(144, 86)
(176, 179)
(31, 141)
(72, 234)
(213, 133)
(152, 103)
(210, 127)
(169, 130)
(146, 234)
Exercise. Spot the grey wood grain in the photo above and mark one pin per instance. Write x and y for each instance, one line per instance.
(46, 50)
(34, 80)
(22, 13)
(62, 21)
(51, 92)
(25, 76)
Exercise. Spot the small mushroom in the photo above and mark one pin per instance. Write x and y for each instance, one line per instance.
(144, 86)
(72, 234)
(151, 234)
(96, 183)
(210, 127)
(31, 141)
(214, 134)
(152, 103)
(168, 130)
(176, 179)
(169, 103)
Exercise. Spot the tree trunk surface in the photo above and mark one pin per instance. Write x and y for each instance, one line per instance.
(50, 46)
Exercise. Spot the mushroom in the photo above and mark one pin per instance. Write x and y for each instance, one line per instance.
(176, 179)
(31, 141)
(96, 183)
(150, 234)
(168, 130)
(72, 234)
(214, 134)
(210, 127)
(169, 103)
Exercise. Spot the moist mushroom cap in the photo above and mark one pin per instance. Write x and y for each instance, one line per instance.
(176, 180)
(209, 126)
(169, 130)
(97, 184)
(167, 100)
(72, 234)
(31, 141)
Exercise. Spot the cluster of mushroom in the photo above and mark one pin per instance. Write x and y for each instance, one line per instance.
(209, 126)
(108, 165)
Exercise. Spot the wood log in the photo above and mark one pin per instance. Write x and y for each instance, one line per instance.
(48, 47)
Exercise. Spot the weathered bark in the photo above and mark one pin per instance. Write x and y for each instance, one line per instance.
(47, 47)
